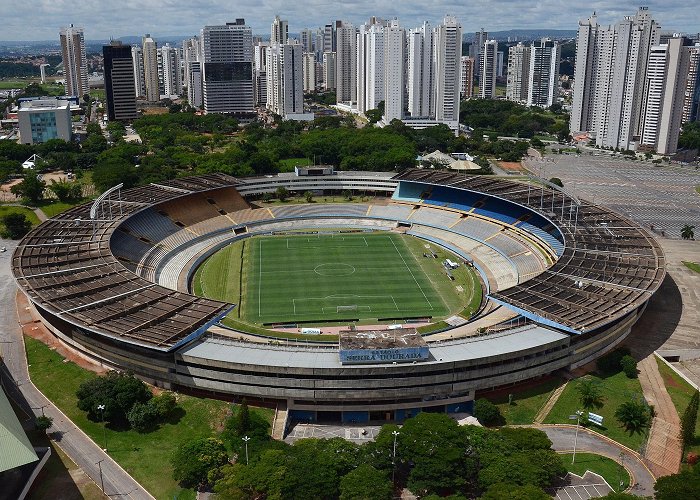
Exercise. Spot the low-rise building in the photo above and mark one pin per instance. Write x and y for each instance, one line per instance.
(41, 120)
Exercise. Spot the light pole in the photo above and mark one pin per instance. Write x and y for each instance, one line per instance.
(104, 424)
(619, 475)
(246, 439)
(102, 483)
(393, 459)
(576, 417)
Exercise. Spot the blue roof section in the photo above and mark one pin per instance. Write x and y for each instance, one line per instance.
(535, 317)
(485, 205)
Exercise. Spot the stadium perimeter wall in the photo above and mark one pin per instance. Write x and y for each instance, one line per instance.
(312, 388)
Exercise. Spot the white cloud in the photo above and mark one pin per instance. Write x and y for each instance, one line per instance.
(41, 19)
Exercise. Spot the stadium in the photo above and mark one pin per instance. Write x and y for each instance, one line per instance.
(119, 280)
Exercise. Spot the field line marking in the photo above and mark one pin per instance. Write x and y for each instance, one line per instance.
(412, 275)
(395, 304)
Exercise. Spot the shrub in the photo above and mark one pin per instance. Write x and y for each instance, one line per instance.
(610, 362)
(629, 366)
(488, 413)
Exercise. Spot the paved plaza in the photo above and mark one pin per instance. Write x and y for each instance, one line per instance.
(658, 197)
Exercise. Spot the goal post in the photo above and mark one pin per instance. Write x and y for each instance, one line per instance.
(352, 307)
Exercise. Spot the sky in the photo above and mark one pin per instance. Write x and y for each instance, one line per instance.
(42, 19)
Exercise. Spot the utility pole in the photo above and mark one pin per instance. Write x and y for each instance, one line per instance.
(393, 459)
(102, 483)
(246, 439)
(576, 417)
(104, 424)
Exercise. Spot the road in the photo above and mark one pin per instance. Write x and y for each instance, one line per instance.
(80, 448)
(562, 438)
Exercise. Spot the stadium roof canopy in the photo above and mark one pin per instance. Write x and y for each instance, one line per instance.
(15, 446)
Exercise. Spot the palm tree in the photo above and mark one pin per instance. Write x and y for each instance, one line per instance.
(634, 416)
(589, 394)
(687, 232)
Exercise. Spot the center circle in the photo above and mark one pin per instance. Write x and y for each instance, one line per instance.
(336, 269)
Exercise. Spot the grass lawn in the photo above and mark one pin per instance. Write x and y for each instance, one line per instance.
(680, 392)
(145, 456)
(693, 266)
(13, 84)
(611, 470)
(335, 277)
(52, 209)
(616, 389)
(527, 401)
(28, 213)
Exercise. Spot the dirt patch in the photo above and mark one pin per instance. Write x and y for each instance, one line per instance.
(511, 166)
(33, 327)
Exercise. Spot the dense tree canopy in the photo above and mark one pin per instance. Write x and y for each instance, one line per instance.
(118, 392)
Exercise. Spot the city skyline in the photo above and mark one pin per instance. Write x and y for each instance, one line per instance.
(149, 16)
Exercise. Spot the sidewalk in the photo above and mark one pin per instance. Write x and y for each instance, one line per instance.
(76, 444)
(664, 450)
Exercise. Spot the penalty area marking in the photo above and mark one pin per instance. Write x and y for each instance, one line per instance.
(341, 296)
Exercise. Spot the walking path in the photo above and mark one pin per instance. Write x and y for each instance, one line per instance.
(562, 437)
(551, 401)
(664, 450)
(101, 468)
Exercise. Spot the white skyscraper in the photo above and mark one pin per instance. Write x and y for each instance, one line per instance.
(476, 50)
(329, 71)
(610, 77)
(370, 66)
(691, 100)
(309, 71)
(421, 72)
(227, 54)
(345, 62)
(518, 73)
(448, 53)
(139, 80)
(74, 61)
(171, 70)
(394, 79)
(667, 77)
(306, 37)
(191, 49)
(489, 58)
(285, 95)
(279, 31)
(543, 73)
(150, 68)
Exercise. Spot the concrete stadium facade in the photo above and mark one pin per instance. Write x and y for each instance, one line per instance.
(308, 379)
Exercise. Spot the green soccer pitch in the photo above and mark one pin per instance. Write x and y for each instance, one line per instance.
(339, 276)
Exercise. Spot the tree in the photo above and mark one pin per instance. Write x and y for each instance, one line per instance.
(143, 417)
(118, 392)
(443, 462)
(685, 485)
(66, 191)
(42, 422)
(282, 193)
(16, 225)
(689, 419)
(193, 460)
(556, 181)
(243, 419)
(347, 194)
(309, 196)
(488, 413)
(614, 495)
(589, 394)
(373, 115)
(31, 188)
(611, 362)
(164, 403)
(629, 366)
(365, 483)
(687, 232)
(506, 491)
(634, 416)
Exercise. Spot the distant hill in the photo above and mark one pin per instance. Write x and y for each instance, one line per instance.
(524, 35)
